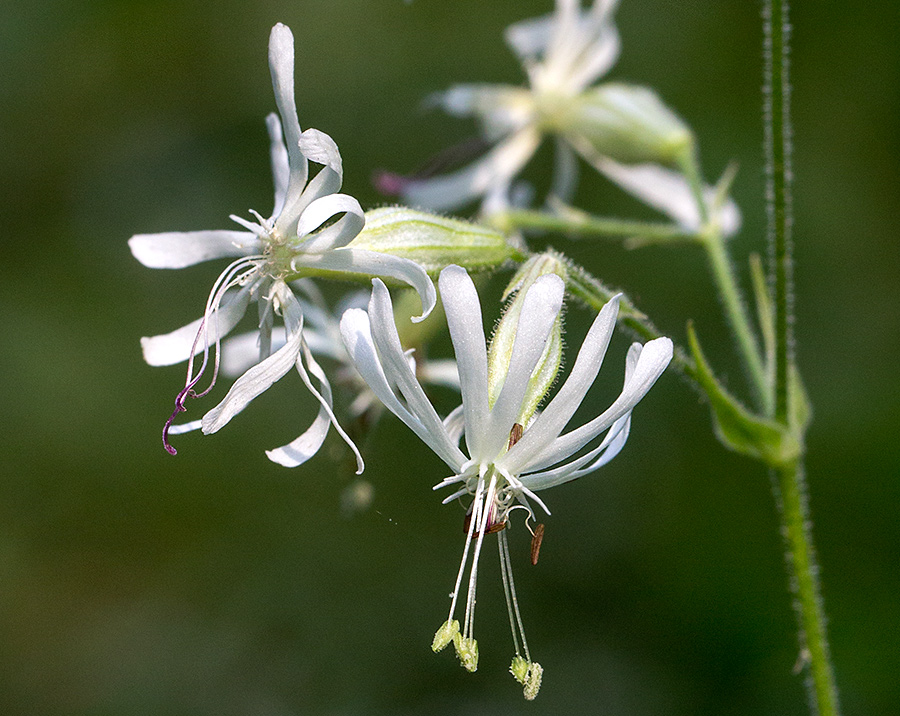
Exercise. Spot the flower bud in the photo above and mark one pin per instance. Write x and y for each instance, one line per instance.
(504, 337)
(447, 632)
(432, 241)
(626, 123)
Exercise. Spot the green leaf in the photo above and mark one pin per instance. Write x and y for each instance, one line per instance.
(737, 427)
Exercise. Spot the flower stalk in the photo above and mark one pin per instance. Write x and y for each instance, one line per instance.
(789, 480)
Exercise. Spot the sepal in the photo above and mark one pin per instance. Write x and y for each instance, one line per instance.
(432, 241)
(741, 430)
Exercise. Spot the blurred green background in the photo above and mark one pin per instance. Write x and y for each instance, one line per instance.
(218, 583)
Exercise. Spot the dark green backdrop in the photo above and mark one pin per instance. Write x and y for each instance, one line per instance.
(218, 583)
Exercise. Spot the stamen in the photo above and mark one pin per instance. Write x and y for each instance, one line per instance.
(536, 540)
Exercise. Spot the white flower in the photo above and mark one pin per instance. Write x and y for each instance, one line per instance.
(322, 334)
(298, 238)
(505, 463)
(564, 54)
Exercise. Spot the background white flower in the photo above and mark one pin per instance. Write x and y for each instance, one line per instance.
(297, 237)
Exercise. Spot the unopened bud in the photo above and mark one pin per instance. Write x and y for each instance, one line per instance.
(504, 338)
(628, 124)
(432, 241)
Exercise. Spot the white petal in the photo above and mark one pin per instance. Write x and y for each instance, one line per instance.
(463, 311)
(320, 148)
(373, 263)
(540, 311)
(439, 372)
(397, 369)
(253, 383)
(177, 249)
(668, 192)
(565, 172)
(304, 447)
(610, 447)
(529, 38)
(281, 170)
(498, 166)
(455, 424)
(242, 352)
(357, 335)
(550, 423)
(338, 234)
(653, 360)
(281, 65)
(175, 347)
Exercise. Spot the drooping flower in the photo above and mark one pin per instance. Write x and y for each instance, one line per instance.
(563, 55)
(302, 236)
(511, 452)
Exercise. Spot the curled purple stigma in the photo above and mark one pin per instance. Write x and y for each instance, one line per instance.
(186, 392)
(389, 183)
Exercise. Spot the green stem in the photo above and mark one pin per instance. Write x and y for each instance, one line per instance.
(738, 317)
(789, 484)
(729, 291)
(586, 225)
(790, 487)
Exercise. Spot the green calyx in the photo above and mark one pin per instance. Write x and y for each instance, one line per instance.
(432, 241)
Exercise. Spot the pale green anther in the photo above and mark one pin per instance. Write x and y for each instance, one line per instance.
(519, 669)
(467, 651)
(448, 631)
(504, 338)
(626, 123)
(533, 681)
(432, 241)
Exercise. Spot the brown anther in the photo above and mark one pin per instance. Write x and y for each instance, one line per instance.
(515, 435)
(493, 528)
(536, 543)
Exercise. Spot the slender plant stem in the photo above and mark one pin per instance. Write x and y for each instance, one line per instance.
(729, 290)
(790, 486)
(738, 318)
(586, 225)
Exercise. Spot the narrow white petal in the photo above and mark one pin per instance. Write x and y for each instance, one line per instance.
(304, 447)
(668, 192)
(239, 353)
(281, 65)
(610, 447)
(177, 249)
(320, 148)
(281, 170)
(175, 347)
(253, 383)
(397, 368)
(338, 234)
(497, 167)
(357, 335)
(455, 424)
(565, 172)
(529, 38)
(539, 313)
(463, 311)
(184, 427)
(553, 419)
(439, 372)
(653, 360)
(372, 263)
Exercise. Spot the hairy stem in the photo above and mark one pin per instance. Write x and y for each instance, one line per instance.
(790, 487)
